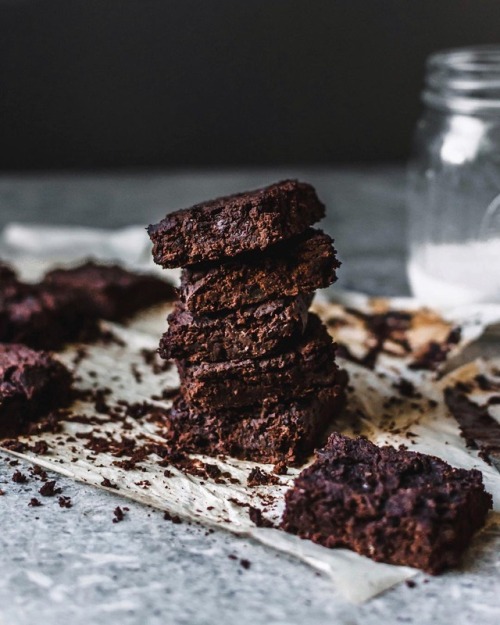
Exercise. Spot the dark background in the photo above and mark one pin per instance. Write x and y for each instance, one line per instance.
(129, 83)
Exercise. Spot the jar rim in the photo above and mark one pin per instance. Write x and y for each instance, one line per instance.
(464, 80)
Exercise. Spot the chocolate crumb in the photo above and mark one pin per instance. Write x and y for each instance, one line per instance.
(258, 477)
(410, 583)
(173, 518)
(40, 448)
(280, 468)
(258, 518)
(246, 564)
(35, 503)
(65, 502)
(49, 489)
(108, 483)
(19, 477)
(119, 514)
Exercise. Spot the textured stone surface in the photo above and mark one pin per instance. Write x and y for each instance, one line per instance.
(75, 565)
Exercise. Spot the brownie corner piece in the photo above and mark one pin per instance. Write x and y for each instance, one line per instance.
(32, 383)
(391, 505)
(233, 224)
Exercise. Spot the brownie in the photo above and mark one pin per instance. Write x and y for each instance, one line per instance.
(31, 384)
(249, 332)
(43, 317)
(309, 365)
(300, 265)
(110, 291)
(238, 223)
(271, 432)
(479, 428)
(392, 505)
(7, 274)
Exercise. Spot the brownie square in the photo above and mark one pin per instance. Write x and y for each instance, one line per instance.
(31, 384)
(42, 317)
(237, 223)
(249, 332)
(271, 432)
(392, 505)
(300, 265)
(309, 365)
(110, 291)
(7, 274)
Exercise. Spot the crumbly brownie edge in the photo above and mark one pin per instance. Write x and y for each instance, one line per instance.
(304, 264)
(230, 225)
(271, 433)
(251, 332)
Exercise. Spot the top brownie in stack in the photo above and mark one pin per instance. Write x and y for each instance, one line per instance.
(250, 357)
(238, 223)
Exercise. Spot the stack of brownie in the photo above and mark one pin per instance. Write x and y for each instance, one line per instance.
(257, 370)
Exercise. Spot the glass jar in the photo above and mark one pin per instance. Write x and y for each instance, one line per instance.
(454, 181)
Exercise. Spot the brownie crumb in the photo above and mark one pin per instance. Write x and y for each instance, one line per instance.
(246, 564)
(280, 468)
(19, 477)
(65, 502)
(40, 448)
(49, 489)
(119, 515)
(410, 583)
(258, 477)
(258, 518)
(173, 518)
(108, 484)
(39, 473)
(35, 503)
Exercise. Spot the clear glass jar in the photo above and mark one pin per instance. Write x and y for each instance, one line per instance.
(454, 181)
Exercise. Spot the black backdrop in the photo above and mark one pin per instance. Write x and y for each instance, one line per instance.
(110, 83)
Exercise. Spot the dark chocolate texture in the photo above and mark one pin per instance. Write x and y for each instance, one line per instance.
(392, 505)
(271, 432)
(110, 291)
(66, 306)
(238, 223)
(249, 332)
(43, 317)
(309, 365)
(301, 265)
(478, 427)
(31, 384)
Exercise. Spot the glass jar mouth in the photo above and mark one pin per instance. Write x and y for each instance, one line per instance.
(465, 80)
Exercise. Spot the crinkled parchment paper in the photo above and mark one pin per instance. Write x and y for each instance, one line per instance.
(417, 419)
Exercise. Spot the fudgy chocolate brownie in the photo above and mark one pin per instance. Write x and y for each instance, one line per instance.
(309, 365)
(271, 432)
(230, 225)
(249, 332)
(300, 265)
(7, 274)
(31, 384)
(110, 291)
(392, 505)
(41, 317)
